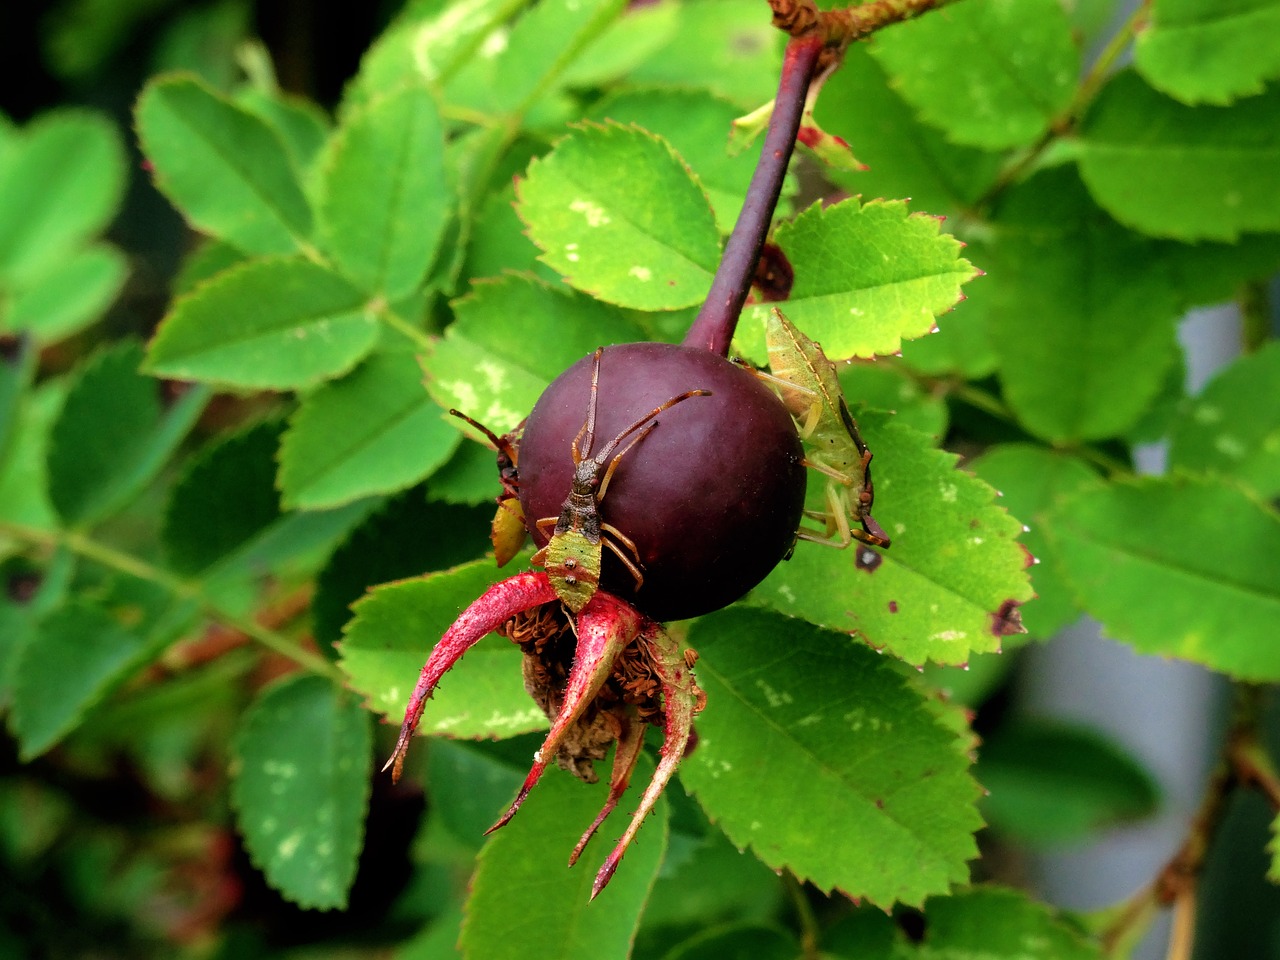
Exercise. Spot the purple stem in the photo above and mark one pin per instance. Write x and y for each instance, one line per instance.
(713, 328)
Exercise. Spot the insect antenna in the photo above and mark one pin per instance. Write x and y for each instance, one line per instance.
(501, 444)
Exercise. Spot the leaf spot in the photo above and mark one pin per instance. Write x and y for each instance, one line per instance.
(774, 698)
(571, 252)
(949, 493)
(593, 212)
(289, 846)
(1230, 446)
(643, 274)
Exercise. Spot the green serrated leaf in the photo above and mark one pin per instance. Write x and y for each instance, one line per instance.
(511, 337)
(301, 125)
(904, 157)
(223, 167)
(1217, 169)
(385, 200)
(624, 45)
(887, 812)
(24, 479)
(521, 873)
(203, 263)
(225, 497)
(1209, 51)
(73, 294)
(1219, 588)
(724, 46)
(1052, 783)
(17, 629)
(301, 788)
(696, 124)
(518, 71)
(270, 324)
(881, 386)
(1105, 308)
(60, 184)
(394, 629)
(374, 431)
(113, 436)
(998, 924)
(407, 536)
(1033, 480)
(945, 587)
(989, 73)
(76, 656)
(646, 241)
(428, 46)
(1232, 428)
(868, 276)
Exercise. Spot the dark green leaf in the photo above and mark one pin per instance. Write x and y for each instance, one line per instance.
(273, 324)
(73, 294)
(60, 184)
(394, 629)
(1209, 552)
(881, 386)
(998, 924)
(301, 788)
(890, 276)
(223, 167)
(225, 498)
(647, 242)
(24, 481)
(988, 73)
(113, 436)
(470, 785)
(1192, 173)
(203, 263)
(407, 536)
(1209, 51)
(887, 810)
(1033, 480)
(522, 874)
(738, 942)
(374, 431)
(1104, 305)
(17, 629)
(76, 656)
(1233, 427)
(385, 198)
(947, 585)
(1051, 783)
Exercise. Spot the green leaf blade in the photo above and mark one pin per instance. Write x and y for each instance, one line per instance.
(895, 274)
(1219, 591)
(522, 875)
(394, 629)
(888, 807)
(64, 300)
(651, 243)
(1217, 165)
(223, 167)
(61, 184)
(988, 73)
(301, 788)
(265, 324)
(385, 203)
(947, 586)
(374, 431)
(1214, 52)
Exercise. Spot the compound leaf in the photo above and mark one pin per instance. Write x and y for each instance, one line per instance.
(1218, 167)
(1209, 51)
(887, 811)
(300, 788)
(394, 629)
(646, 242)
(1219, 586)
(521, 873)
(374, 431)
(385, 203)
(868, 276)
(268, 324)
(988, 73)
(949, 584)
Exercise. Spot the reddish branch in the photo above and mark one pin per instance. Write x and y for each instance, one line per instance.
(818, 40)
